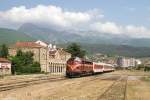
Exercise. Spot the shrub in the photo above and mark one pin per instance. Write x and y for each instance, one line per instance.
(147, 68)
(23, 63)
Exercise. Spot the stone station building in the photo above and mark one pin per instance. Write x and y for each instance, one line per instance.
(52, 59)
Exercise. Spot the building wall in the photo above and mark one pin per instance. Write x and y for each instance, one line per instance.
(40, 55)
(44, 59)
(35, 51)
(57, 62)
(57, 68)
(126, 62)
(41, 43)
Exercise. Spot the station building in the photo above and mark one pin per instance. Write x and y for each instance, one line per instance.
(52, 60)
(57, 60)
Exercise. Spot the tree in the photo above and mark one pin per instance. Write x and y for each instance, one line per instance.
(26, 58)
(4, 51)
(23, 63)
(75, 50)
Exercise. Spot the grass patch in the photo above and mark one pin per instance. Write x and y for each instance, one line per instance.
(146, 78)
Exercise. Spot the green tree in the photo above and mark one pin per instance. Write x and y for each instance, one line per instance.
(23, 63)
(75, 50)
(4, 51)
(25, 57)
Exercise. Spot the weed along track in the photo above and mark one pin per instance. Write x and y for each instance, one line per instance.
(21, 84)
(116, 91)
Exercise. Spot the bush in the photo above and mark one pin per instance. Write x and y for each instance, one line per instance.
(23, 63)
(35, 67)
(147, 68)
(140, 67)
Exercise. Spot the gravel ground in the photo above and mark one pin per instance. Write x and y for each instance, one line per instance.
(105, 86)
(19, 78)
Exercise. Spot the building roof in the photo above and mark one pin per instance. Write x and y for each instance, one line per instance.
(52, 52)
(41, 43)
(4, 60)
(60, 51)
(28, 44)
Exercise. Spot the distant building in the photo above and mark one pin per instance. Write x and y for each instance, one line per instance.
(111, 61)
(127, 62)
(5, 66)
(138, 61)
(99, 55)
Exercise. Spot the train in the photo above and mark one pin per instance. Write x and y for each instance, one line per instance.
(77, 67)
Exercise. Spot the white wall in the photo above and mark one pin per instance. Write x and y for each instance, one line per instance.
(41, 43)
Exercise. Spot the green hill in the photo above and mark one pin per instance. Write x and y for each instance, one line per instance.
(121, 50)
(9, 36)
(112, 50)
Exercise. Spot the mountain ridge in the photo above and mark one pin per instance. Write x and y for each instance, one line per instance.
(10, 36)
(92, 44)
(53, 35)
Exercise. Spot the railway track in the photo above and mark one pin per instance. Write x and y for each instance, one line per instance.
(20, 79)
(15, 81)
(21, 84)
(116, 91)
(125, 91)
(130, 75)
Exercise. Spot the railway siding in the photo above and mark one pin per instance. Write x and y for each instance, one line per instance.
(21, 84)
(116, 91)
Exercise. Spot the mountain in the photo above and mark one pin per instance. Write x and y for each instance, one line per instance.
(64, 36)
(114, 50)
(103, 43)
(9, 36)
(47, 34)
(121, 50)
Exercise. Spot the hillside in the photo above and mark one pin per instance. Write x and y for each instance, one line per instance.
(121, 50)
(47, 34)
(91, 37)
(109, 49)
(109, 44)
(9, 36)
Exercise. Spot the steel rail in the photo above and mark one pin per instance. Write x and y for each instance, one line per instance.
(28, 83)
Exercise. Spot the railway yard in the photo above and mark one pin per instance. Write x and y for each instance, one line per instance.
(118, 85)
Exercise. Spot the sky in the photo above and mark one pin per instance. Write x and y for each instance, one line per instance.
(127, 17)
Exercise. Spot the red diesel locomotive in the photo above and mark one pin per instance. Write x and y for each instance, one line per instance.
(77, 67)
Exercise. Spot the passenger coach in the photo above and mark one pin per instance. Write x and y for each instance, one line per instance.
(78, 67)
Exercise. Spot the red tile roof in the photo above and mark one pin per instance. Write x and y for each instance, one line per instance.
(4, 60)
(28, 44)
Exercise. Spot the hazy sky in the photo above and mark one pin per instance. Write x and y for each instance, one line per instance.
(130, 17)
